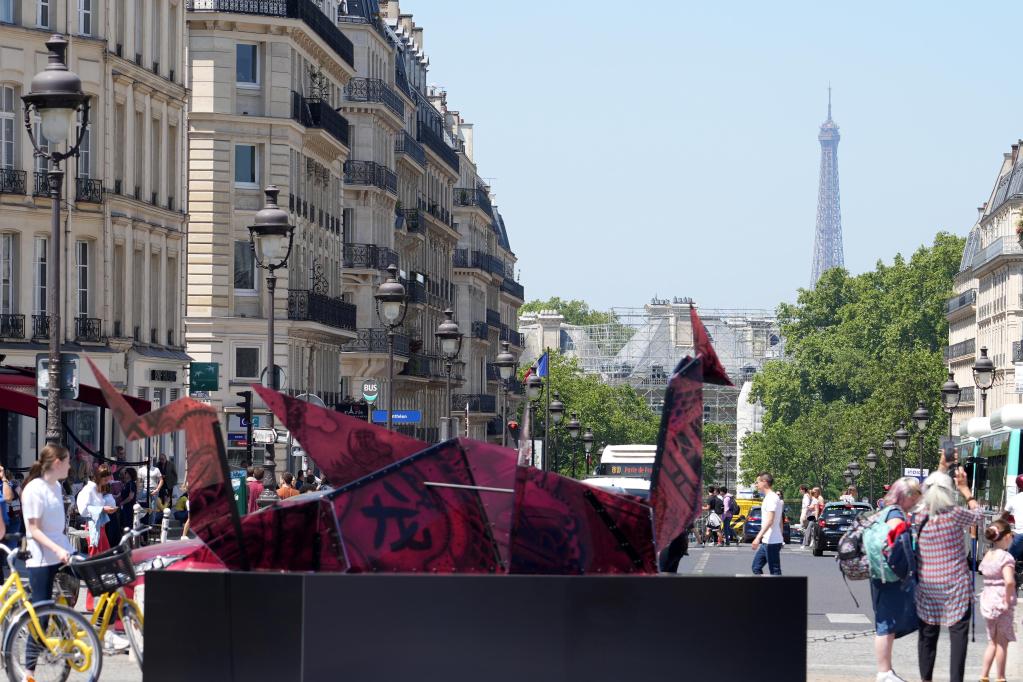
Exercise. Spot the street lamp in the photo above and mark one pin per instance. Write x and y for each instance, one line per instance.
(854, 469)
(391, 309)
(587, 446)
(271, 236)
(920, 418)
(983, 377)
(505, 362)
(450, 339)
(534, 389)
(950, 398)
(55, 95)
(847, 475)
(902, 443)
(888, 448)
(574, 427)
(871, 463)
(556, 410)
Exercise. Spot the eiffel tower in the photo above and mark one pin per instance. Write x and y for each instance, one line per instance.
(827, 241)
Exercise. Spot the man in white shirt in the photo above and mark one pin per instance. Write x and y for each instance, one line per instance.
(767, 544)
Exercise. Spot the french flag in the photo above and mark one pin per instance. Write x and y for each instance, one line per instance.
(541, 368)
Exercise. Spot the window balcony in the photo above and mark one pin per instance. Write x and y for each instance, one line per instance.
(41, 326)
(313, 307)
(474, 197)
(12, 326)
(374, 90)
(480, 330)
(511, 336)
(307, 12)
(478, 402)
(493, 372)
(12, 181)
(406, 144)
(369, 257)
(493, 318)
(89, 190)
(415, 291)
(89, 329)
(513, 288)
(375, 341)
(963, 348)
(413, 224)
(41, 186)
(435, 142)
(419, 365)
(967, 298)
(371, 173)
(314, 113)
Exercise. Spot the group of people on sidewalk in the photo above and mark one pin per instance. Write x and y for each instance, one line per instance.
(720, 509)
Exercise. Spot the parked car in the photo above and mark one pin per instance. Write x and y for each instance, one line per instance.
(836, 519)
(752, 526)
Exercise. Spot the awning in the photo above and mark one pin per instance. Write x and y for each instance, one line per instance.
(18, 402)
(23, 382)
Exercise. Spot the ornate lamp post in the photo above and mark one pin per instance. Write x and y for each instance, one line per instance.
(854, 469)
(888, 448)
(271, 237)
(391, 309)
(557, 413)
(506, 363)
(587, 446)
(921, 416)
(534, 389)
(847, 475)
(871, 463)
(55, 95)
(983, 377)
(902, 443)
(450, 339)
(950, 398)
(574, 428)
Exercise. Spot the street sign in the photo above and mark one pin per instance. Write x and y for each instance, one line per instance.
(398, 416)
(264, 436)
(68, 378)
(914, 472)
(240, 489)
(237, 422)
(282, 378)
(370, 390)
(203, 377)
(237, 440)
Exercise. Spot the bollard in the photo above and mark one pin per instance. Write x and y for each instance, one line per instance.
(165, 524)
(137, 514)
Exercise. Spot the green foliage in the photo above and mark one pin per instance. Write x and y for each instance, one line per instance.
(715, 438)
(574, 311)
(616, 414)
(862, 351)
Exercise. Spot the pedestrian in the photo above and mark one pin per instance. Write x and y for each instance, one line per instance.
(129, 495)
(894, 607)
(150, 485)
(42, 505)
(287, 488)
(767, 544)
(730, 508)
(945, 589)
(849, 496)
(998, 600)
(310, 484)
(804, 514)
(253, 481)
(1013, 514)
(714, 509)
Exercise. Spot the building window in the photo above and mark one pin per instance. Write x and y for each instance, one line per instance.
(246, 363)
(244, 268)
(43, 13)
(39, 268)
(82, 270)
(6, 126)
(246, 65)
(85, 150)
(85, 17)
(7, 257)
(245, 165)
(7, 11)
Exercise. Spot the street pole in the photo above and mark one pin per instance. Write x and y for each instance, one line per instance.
(983, 406)
(921, 440)
(54, 430)
(547, 461)
(532, 436)
(504, 414)
(446, 423)
(390, 374)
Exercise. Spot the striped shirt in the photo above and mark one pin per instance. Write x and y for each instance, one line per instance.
(946, 586)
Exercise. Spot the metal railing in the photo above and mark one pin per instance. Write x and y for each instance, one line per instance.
(40, 326)
(478, 402)
(41, 186)
(369, 256)
(87, 189)
(12, 326)
(958, 350)
(412, 222)
(309, 305)
(493, 372)
(415, 291)
(374, 90)
(375, 341)
(465, 196)
(493, 318)
(12, 181)
(435, 143)
(511, 336)
(418, 365)
(371, 173)
(88, 329)
(440, 213)
(406, 144)
(961, 301)
(314, 113)
(310, 14)
(510, 286)
(480, 330)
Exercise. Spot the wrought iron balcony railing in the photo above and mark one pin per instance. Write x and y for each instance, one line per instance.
(473, 197)
(439, 212)
(493, 372)
(966, 395)
(415, 291)
(406, 144)
(493, 318)
(88, 329)
(12, 326)
(309, 13)
(511, 336)
(435, 143)
(477, 402)
(309, 305)
(314, 113)
(961, 301)
(1017, 351)
(958, 350)
(412, 222)
(12, 181)
(87, 189)
(374, 90)
(371, 173)
(510, 286)
(375, 341)
(41, 326)
(418, 365)
(41, 184)
(480, 330)
(369, 256)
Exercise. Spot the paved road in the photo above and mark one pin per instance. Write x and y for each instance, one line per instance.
(832, 611)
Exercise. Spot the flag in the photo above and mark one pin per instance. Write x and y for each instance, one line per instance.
(541, 366)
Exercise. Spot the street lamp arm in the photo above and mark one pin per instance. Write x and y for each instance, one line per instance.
(55, 156)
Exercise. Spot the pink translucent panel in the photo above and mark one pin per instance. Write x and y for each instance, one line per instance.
(494, 467)
(297, 534)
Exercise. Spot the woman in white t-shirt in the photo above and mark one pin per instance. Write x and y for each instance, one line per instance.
(42, 505)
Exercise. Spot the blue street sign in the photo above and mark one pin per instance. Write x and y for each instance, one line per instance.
(398, 416)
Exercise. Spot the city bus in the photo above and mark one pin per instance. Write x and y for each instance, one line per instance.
(627, 461)
(996, 442)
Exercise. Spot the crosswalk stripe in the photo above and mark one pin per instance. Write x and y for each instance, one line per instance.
(847, 618)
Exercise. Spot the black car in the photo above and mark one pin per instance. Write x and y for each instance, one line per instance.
(837, 518)
(752, 526)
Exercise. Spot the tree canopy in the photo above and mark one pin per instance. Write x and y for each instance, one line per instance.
(575, 311)
(861, 352)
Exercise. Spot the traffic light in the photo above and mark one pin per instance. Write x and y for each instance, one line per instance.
(246, 404)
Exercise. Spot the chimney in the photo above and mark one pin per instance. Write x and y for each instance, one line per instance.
(466, 130)
(417, 35)
(1015, 153)
(389, 8)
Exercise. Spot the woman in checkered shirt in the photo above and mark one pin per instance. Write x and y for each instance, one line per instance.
(944, 594)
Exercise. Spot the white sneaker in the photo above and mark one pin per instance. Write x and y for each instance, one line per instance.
(889, 676)
(114, 642)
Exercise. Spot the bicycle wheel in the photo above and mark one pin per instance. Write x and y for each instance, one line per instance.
(77, 654)
(132, 619)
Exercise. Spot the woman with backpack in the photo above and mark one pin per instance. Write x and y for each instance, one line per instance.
(894, 608)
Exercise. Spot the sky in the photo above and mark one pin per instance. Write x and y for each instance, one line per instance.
(669, 148)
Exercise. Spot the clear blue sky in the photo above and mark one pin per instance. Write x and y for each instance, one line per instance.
(670, 148)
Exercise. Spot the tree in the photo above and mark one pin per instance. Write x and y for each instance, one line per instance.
(575, 311)
(861, 351)
(715, 438)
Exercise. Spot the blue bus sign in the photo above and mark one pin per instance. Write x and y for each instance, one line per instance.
(398, 416)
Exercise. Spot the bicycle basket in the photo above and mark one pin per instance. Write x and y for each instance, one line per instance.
(107, 571)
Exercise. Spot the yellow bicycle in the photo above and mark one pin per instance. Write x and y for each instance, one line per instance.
(44, 641)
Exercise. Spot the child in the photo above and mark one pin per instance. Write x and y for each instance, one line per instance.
(998, 600)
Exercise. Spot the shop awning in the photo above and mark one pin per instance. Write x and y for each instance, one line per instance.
(18, 402)
(22, 381)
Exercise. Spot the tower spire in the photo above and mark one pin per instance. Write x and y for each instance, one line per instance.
(829, 100)
(827, 243)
